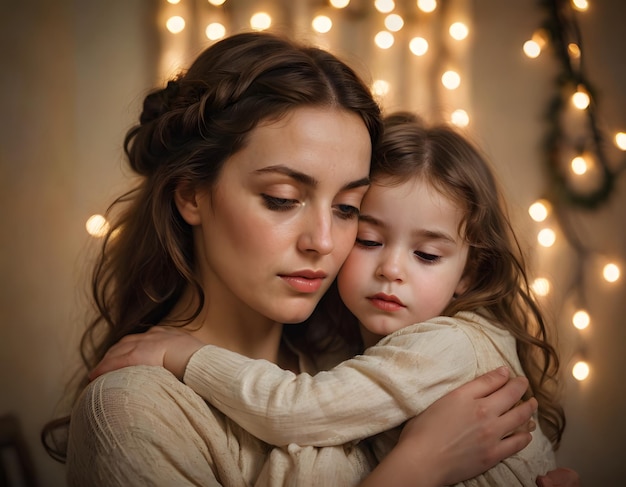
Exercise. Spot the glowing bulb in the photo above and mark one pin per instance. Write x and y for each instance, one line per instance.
(394, 22)
(539, 210)
(427, 5)
(451, 80)
(579, 165)
(620, 140)
(580, 371)
(574, 50)
(418, 46)
(173, 2)
(339, 3)
(611, 273)
(217, 3)
(460, 118)
(260, 21)
(384, 6)
(541, 286)
(175, 24)
(380, 87)
(531, 49)
(459, 31)
(322, 24)
(97, 226)
(581, 99)
(581, 319)
(215, 31)
(546, 237)
(384, 39)
(581, 5)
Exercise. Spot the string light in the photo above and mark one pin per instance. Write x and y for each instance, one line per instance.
(546, 237)
(380, 87)
(460, 118)
(339, 3)
(394, 22)
(384, 6)
(384, 39)
(620, 140)
(581, 99)
(458, 31)
(418, 46)
(215, 31)
(611, 272)
(580, 371)
(217, 3)
(261, 21)
(175, 24)
(451, 80)
(322, 24)
(579, 165)
(581, 319)
(539, 210)
(541, 286)
(97, 226)
(427, 6)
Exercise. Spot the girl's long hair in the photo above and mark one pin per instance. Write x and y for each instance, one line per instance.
(448, 161)
(186, 132)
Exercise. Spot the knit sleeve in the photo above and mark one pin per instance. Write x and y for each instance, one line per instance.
(391, 382)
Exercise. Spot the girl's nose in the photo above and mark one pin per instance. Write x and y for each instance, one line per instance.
(391, 267)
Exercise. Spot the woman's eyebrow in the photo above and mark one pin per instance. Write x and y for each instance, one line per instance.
(306, 179)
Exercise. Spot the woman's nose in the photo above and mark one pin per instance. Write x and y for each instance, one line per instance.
(318, 233)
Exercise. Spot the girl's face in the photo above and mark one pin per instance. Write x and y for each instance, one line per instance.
(273, 232)
(408, 259)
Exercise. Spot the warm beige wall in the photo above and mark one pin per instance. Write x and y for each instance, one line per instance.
(72, 77)
(69, 84)
(510, 93)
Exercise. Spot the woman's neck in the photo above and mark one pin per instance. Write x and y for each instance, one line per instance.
(238, 329)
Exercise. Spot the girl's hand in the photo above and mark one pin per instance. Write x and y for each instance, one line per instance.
(561, 477)
(164, 346)
(461, 435)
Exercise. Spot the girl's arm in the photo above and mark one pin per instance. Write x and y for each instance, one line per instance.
(366, 395)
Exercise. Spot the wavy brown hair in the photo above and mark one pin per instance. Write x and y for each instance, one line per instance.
(499, 287)
(186, 132)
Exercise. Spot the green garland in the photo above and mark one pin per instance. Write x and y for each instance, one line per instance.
(562, 28)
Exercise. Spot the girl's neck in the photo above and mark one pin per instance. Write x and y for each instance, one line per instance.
(240, 330)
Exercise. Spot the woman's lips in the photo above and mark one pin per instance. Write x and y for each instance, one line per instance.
(386, 302)
(305, 281)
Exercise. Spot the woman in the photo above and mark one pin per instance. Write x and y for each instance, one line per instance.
(253, 164)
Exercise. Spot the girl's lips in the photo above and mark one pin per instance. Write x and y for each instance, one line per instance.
(386, 302)
(306, 281)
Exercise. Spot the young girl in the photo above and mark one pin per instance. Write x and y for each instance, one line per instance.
(436, 270)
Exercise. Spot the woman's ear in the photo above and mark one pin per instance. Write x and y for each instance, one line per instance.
(186, 198)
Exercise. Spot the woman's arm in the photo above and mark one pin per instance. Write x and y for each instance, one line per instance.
(461, 435)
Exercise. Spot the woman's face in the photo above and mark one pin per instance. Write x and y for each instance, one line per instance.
(273, 232)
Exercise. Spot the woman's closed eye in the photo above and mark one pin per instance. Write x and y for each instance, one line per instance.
(347, 212)
(279, 204)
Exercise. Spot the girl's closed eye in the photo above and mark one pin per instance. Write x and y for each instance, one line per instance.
(363, 242)
(426, 257)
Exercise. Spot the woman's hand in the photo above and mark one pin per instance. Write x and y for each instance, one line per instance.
(461, 435)
(164, 346)
(561, 477)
